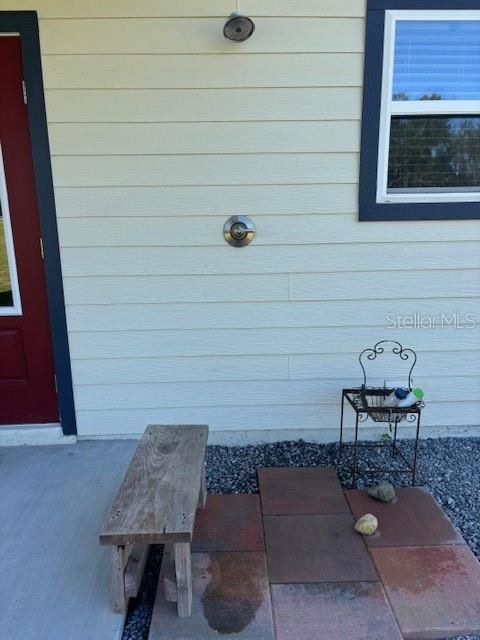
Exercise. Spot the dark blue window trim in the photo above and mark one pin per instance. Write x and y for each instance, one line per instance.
(26, 24)
(369, 209)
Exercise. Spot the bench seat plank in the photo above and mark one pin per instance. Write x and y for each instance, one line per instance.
(158, 498)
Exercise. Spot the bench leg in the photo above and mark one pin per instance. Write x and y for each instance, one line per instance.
(183, 574)
(134, 569)
(167, 579)
(118, 579)
(202, 496)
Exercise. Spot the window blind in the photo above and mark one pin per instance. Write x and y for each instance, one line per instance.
(437, 59)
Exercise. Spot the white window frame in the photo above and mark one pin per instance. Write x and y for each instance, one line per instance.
(16, 309)
(389, 108)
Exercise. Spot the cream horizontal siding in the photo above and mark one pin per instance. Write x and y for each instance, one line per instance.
(365, 257)
(439, 284)
(159, 131)
(165, 369)
(340, 366)
(311, 366)
(271, 230)
(202, 200)
(257, 393)
(201, 138)
(132, 290)
(172, 35)
(221, 342)
(231, 169)
(136, 313)
(203, 105)
(187, 8)
(276, 418)
(200, 71)
(155, 291)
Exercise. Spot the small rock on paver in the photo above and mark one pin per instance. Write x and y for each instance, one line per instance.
(337, 611)
(434, 591)
(384, 492)
(366, 525)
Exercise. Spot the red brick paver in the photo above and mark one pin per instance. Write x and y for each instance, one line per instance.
(231, 598)
(316, 548)
(229, 523)
(434, 591)
(337, 611)
(304, 490)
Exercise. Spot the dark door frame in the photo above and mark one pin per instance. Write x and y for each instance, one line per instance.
(25, 23)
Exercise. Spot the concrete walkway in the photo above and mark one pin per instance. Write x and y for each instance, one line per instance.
(54, 576)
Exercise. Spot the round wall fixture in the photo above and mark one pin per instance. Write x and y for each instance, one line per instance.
(238, 231)
(238, 28)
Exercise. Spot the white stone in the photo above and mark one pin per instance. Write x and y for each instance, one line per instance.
(367, 524)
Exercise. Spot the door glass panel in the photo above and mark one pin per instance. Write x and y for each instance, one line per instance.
(6, 297)
(9, 292)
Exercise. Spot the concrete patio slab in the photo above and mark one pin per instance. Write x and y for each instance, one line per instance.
(55, 577)
(316, 548)
(337, 611)
(231, 597)
(434, 591)
(229, 523)
(412, 519)
(307, 490)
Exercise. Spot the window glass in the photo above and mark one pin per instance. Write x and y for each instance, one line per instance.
(6, 298)
(437, 60)
(9, 298)
(434, 152)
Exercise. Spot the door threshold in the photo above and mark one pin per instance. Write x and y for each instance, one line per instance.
(14, 435)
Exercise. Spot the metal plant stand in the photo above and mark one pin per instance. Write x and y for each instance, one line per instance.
(368, 402)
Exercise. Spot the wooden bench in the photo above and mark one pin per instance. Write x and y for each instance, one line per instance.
(156, 504)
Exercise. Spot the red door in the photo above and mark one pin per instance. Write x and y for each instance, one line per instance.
(27, 381)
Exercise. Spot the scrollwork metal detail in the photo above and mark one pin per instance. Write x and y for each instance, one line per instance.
(405, 353)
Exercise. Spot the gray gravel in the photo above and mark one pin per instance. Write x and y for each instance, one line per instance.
(448, 467)
(137, 622)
